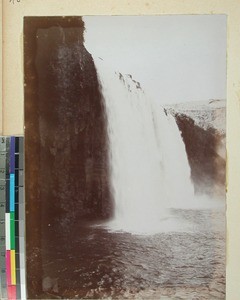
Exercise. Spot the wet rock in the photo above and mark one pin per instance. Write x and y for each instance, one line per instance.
(207, 166)
(50, 284)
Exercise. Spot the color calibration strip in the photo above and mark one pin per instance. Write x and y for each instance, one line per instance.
(12, 218)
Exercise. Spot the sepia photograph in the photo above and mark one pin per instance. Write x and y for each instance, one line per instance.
(125, 156)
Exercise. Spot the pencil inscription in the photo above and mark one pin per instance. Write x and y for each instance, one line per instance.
(13, 1)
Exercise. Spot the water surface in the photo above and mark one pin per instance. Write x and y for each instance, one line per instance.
(93, 262)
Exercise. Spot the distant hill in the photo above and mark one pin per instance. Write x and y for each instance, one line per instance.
(206, 114)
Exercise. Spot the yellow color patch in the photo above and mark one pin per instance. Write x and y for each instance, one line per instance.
(13, 268)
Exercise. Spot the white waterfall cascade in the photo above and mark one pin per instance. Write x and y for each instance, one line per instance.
(148, 163)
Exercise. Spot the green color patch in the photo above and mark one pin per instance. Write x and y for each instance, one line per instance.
(12, 230)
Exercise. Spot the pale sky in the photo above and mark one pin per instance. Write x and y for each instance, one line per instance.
(175, 58)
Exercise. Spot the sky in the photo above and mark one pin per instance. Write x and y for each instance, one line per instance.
(175, 58)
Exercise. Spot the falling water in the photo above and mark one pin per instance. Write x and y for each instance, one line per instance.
(149, 167)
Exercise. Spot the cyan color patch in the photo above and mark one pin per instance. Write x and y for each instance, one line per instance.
(12, 192)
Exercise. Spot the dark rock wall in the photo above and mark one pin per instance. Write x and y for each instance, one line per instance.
(65, 136)
(72, 127)
(208, 168)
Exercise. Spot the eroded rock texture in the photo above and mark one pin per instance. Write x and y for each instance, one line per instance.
(65, 136)
(207, 166)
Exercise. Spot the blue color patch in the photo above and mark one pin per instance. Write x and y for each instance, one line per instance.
(12, 154)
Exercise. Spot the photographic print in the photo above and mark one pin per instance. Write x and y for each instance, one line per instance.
(125, 133)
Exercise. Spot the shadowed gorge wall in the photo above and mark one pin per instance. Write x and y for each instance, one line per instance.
(208, 168)
(65, 136)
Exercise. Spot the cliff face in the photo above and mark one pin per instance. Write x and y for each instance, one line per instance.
(73, 167)
(72, 128)
(65, 135)
(203, 129)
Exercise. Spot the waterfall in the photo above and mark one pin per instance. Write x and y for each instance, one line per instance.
(148, 164)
